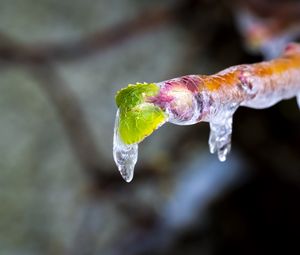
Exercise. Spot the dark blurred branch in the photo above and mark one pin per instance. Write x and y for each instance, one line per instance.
(90, 44)
(71, 114)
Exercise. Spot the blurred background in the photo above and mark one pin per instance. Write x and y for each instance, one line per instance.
(61, 63)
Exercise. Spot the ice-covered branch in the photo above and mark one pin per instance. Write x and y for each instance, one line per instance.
(191, 99)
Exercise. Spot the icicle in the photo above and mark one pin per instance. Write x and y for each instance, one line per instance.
(125, 155)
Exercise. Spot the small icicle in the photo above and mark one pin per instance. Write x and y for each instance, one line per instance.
(125, 155)
(220, 139)
(220, 132)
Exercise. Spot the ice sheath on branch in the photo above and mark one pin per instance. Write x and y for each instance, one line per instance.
(190, 99)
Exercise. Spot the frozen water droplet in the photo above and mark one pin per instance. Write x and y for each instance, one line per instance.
(125, 155)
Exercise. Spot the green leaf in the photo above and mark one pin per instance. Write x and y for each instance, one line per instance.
(135, 94)
(138, 119)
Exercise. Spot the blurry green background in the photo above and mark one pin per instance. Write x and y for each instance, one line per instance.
(61, 63)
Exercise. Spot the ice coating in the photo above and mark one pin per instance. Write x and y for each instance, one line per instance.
(180, 100)
(215, 98)
(125, 155)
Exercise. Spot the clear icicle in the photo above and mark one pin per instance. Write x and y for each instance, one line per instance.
(125, 155)
(220, 138)
(220, 131)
